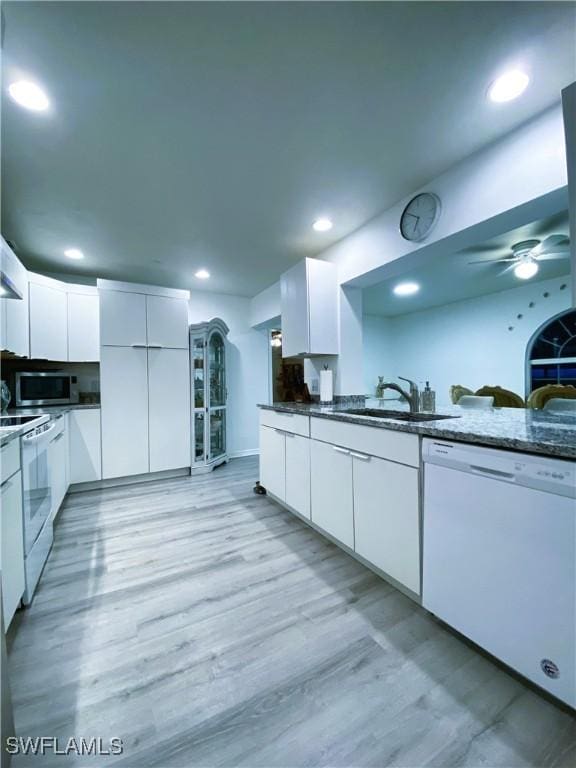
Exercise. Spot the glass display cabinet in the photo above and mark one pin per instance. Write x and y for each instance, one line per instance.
(209, 394)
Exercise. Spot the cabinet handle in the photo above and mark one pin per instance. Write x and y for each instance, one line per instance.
(155, 346)
(138, 346)
(58, 437)
(341, 450)
(362, 456)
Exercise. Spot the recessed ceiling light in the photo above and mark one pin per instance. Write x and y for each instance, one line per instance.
(74, 253)
(322, 225)
(406, 289)
(29, 95)
(526, 269)
(202, 274)
(508, 86)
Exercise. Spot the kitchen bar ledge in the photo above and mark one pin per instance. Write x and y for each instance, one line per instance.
(515, 429)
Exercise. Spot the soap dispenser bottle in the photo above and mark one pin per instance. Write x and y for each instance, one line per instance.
(428, 399)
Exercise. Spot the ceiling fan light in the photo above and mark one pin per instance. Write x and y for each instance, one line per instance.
(526, 269)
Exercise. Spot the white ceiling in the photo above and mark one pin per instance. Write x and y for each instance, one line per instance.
(452, 278)
(187, 135)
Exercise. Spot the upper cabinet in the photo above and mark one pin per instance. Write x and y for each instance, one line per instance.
(63, 320)
(122, 319)
(142, 316)
(309, 304)
(14, 311)
(83, 324)
(48, 319)
(167, 322)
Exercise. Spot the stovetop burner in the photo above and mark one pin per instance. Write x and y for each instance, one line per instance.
(15, 421)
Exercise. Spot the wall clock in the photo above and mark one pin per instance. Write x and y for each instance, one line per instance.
(420, 216)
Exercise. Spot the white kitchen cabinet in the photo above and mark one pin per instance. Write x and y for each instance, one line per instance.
(309, 306)
(167, 322)
(168, 408)
(331, 491)
(124, 404)
(273, 461)
(57, 459)
(122, 319)
(386, 517)
(83, 325)
(48, 319)
(85, 445)
(298, 473)
(11, 545)
(13, 311)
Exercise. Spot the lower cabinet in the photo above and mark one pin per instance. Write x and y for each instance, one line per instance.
(11, 546)
(285, 467)
(85, 449)
(332, 492)
(58, 459)
(386, 517)
(273, 461)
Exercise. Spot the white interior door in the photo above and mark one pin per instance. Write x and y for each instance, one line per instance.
(331, 491)
(386, 518)
(273, 461)
(122, 318)
(167, 322)
(124, 396)
(298, 473)
(169, 408)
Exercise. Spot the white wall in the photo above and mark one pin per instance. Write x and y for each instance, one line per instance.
(248, 361)
(519, 179)
(467, 342)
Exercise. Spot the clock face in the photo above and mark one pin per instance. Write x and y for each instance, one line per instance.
(420, 216)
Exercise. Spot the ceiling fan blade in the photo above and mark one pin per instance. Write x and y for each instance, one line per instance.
(551, 255)
(492, 261)
(549, 243)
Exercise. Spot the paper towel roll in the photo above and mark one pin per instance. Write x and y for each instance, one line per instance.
(326, 387)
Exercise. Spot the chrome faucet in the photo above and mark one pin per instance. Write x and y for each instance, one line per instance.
(413, 397)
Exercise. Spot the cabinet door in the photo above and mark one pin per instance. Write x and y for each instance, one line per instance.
(58, 473)
(122, 319)
(124, 404)
(85, 445)
(273, 461)
(83, 327)
(386, 518)
(48, 323)
(298, 473)
(167, 322)
(11, 546)
(294, 308)
(331, 491)
(169, 408)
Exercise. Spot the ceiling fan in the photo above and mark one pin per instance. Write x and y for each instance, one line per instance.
(527, 253)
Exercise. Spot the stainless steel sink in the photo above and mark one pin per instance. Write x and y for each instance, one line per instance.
(380, 413)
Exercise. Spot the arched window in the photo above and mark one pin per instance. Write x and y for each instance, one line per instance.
(551, 353)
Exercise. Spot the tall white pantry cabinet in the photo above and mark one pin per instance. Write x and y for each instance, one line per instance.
(144, 379)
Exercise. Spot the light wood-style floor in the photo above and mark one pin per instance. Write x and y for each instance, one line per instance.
(206, 626)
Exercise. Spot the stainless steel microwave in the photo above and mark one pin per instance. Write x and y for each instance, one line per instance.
(45, 388)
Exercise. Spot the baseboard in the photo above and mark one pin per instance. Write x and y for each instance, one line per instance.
(113, 482)
(247, 452)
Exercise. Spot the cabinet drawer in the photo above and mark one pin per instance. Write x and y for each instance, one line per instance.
(10, 459)
(375, 441)
(288, 422)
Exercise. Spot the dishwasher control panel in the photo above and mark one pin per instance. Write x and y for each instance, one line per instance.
(539, 472)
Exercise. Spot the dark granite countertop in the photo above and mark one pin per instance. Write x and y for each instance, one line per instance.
(515, 429)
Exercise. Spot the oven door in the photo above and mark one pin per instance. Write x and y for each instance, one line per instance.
(43, 388)
(37, 494)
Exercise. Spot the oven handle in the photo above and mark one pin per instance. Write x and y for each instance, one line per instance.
(32, 438)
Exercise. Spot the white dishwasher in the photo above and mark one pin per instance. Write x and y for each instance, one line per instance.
(499, 551)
